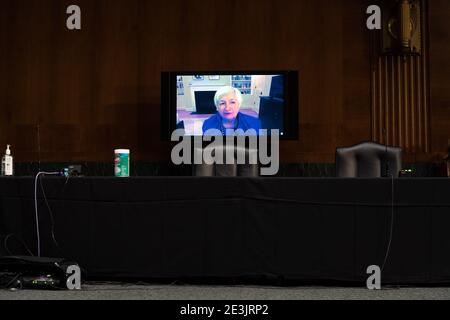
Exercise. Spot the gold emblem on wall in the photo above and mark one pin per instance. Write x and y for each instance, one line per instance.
(401, 27)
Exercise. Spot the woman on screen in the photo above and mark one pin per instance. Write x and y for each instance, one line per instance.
(228, 101)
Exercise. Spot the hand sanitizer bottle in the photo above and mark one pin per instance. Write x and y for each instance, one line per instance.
(7, 163)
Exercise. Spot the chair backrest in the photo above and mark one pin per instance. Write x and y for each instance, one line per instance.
(228, 170)
(368, 159)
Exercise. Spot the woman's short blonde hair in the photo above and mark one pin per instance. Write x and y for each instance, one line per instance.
(224, 91)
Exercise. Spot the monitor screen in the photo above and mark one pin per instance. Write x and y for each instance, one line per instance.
(263, 101)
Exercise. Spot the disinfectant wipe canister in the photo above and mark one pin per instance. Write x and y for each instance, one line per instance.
(122, 162)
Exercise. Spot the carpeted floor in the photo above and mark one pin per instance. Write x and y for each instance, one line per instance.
(111, 291)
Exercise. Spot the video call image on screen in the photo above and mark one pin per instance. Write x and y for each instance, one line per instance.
(229, 102)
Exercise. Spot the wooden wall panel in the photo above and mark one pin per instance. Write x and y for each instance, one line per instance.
(411, 97)
(400, 97)
(400, 114)
(439, 28)
(93, 90)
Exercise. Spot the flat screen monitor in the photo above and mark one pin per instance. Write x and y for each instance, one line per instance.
(198, 101)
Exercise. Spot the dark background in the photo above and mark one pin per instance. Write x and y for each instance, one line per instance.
(97, 89)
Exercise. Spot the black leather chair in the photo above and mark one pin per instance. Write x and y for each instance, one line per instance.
(368, 159)
(228, 170)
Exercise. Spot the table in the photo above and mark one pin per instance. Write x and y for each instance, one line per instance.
(295, 229)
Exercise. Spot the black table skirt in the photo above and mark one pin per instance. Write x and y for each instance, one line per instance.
(291, 228)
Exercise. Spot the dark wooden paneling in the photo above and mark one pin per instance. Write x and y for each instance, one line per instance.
(93, 90)
(439, 28)
(400, 106)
